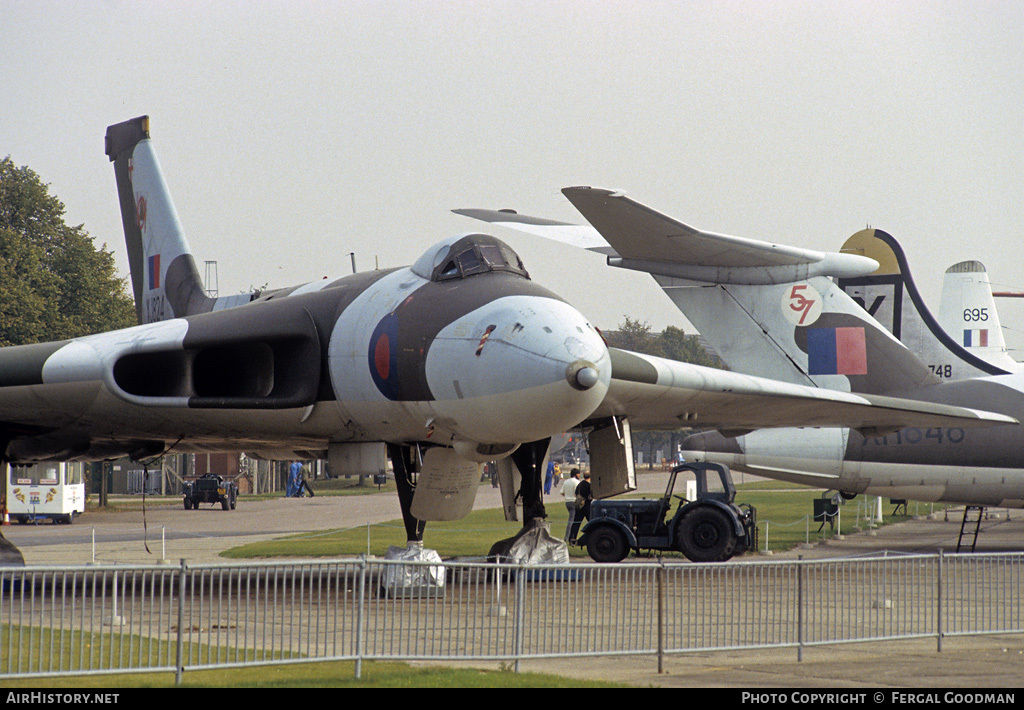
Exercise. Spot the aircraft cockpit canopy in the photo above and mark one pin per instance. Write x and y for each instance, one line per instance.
(468, 255)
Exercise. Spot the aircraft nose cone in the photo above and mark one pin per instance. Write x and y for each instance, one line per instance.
(522, 369)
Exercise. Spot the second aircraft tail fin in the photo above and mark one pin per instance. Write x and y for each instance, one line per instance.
(968, 313)
(965, 342)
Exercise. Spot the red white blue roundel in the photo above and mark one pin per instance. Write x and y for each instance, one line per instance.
(383, 356)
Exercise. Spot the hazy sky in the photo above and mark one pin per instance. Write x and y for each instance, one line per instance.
(293, 133)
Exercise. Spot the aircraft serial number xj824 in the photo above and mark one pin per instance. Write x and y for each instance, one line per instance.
(454, 361)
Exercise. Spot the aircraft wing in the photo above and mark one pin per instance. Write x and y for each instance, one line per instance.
(577, 235)
(655, 393)
(637, 237)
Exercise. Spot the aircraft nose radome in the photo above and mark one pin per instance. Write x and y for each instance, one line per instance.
(525, 368)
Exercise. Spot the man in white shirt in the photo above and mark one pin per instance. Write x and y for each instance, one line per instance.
(569, 493)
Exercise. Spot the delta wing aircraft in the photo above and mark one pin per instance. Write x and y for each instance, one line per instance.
(782, 313)
(456, 360)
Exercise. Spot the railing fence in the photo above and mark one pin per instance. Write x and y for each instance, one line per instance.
(118, 618)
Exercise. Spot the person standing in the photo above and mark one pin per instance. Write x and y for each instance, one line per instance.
(584, 494)
(569, 493)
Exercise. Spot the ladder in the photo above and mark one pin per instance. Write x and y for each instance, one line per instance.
(964, 526)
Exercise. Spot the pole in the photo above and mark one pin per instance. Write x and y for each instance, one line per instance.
(661, 618)
(938, 604)
(800, 608)
(179, 646)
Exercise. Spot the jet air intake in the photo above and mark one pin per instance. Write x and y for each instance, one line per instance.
(232, 359)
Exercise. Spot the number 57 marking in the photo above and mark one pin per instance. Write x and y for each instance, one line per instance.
(800, 303)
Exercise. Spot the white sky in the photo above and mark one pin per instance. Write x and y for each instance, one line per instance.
(295, 132)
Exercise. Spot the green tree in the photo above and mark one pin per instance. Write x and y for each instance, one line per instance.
(54, 282)
(677, 345)
(674, 344)
(635, 335)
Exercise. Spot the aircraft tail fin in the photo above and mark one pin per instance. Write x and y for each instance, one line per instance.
(165, 279)
(807, 332)
(965, 342)
(967, 312)
(767, 309)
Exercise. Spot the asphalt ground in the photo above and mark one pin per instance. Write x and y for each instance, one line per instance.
(171, 533)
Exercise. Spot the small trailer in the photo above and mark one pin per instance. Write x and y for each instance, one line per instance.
(45, 491)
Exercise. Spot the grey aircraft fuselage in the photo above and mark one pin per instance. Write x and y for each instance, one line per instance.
(940, 464)
(487, 358)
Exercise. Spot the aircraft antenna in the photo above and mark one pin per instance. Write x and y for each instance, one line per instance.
(212, 282)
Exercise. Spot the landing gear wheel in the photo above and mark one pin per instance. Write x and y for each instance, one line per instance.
(706, 535)
(607, 545)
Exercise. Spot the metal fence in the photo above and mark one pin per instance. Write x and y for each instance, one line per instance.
(115, 618)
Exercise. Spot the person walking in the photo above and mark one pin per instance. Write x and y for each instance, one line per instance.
(304, 486)
(292, 484)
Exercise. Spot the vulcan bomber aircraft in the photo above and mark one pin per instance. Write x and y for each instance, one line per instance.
(851, 321)
(460, 358)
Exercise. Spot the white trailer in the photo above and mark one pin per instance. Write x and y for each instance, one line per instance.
(45, 490)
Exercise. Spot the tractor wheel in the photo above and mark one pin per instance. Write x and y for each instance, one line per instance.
(607, 544)
(706, 535)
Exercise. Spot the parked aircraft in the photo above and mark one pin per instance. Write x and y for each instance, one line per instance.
(769, 311)
(966, 340)
(456, 360)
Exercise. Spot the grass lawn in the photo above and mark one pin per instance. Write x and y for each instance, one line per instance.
(784, 515)
(327, 674)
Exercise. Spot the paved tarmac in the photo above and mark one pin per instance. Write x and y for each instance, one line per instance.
(165, 531)
(172, 533)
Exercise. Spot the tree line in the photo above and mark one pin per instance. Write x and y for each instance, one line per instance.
(673, 344)
(55, 283)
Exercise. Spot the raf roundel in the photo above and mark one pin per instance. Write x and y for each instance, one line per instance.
(383, 356)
